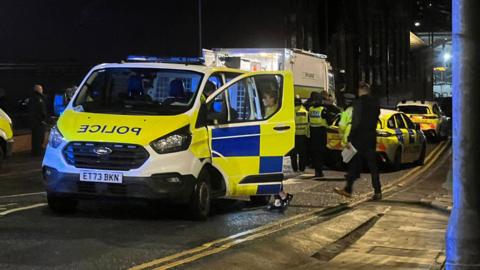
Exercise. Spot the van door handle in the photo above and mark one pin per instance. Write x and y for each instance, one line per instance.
(280, 128)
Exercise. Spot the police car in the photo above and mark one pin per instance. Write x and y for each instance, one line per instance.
(428, 115)
(6, 136)
(171, 130)
(398, 139)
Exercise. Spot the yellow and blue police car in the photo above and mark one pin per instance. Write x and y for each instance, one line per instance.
(171, 130)
(398, 139)
(428, 115)
(6, 136)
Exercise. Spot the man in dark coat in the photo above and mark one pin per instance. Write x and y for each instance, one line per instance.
(363, 137)
(38, 117)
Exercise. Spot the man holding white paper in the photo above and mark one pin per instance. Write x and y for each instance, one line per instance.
(363, 140)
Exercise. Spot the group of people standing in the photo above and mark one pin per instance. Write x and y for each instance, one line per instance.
(357, 127)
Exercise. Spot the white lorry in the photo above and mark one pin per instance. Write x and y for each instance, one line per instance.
(311, 72)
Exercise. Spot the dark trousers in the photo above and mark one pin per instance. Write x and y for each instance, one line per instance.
(318, 137)
(38, 137)
(355, 165)
(300, 150)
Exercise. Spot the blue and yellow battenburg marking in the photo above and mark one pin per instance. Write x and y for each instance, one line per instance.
(235, 142)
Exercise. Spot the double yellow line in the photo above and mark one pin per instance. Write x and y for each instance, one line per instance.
(223, 244)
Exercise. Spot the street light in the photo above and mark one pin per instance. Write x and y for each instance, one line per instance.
(417, 24)
(446, 57)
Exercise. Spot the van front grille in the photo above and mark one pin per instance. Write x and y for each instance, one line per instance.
(106, 156)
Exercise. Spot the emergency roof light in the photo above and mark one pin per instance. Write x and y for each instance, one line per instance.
(171, 60)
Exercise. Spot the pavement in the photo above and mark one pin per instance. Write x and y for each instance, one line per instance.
(405, 230)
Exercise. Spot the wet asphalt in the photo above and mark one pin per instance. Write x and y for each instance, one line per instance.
(110, 234)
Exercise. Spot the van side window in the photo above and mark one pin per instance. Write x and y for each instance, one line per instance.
(250, 99)
(269, 88)
(243, 101)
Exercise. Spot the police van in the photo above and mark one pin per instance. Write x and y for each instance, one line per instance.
(171, 130)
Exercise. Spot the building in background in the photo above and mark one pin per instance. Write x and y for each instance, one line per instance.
(54, 43)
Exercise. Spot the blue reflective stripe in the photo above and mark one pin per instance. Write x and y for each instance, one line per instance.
(269, 189)
(237, 147)
(399, 134)
(271, 164)
(235, 131)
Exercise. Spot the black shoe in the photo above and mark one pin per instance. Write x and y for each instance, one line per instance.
(377, 197)
(342, 192)
(319, 174)
(280, 204)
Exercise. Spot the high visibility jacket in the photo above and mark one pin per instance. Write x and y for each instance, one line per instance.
(301, 120)
(345, 124)
(317, 117)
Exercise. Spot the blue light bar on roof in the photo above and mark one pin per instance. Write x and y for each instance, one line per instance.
(173, 60)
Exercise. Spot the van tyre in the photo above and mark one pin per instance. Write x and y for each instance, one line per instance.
(421, 158)
(260, 200)
(201, 198)
(397, 160)
(62, 205)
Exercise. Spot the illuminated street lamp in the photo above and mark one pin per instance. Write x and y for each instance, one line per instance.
(417, 24)
(446, 57)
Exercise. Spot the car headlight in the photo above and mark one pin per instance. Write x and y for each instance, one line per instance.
(55, 138)
(173, 142)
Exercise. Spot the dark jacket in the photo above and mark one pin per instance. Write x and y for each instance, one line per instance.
(363, 134)
(37, 109)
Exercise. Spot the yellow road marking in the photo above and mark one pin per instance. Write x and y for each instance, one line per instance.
(206, 250)
(229, 245)
(232, 237)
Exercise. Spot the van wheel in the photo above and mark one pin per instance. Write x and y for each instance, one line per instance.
(397, 161)
(421, 158)
(201, 197)
(260, 200)
(62, 205)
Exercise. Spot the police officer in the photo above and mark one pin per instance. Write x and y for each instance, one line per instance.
(37, 118)
(301, 134)
(345, 123)
(318, 134)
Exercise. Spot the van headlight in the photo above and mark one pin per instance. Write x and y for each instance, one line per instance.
(55, 138)
(174, 142)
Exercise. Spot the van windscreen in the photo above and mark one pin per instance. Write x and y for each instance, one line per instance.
(138, 91)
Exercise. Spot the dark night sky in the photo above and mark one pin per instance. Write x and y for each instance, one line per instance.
(107, 30)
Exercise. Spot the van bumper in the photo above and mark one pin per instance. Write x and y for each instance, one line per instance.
(171, 187)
